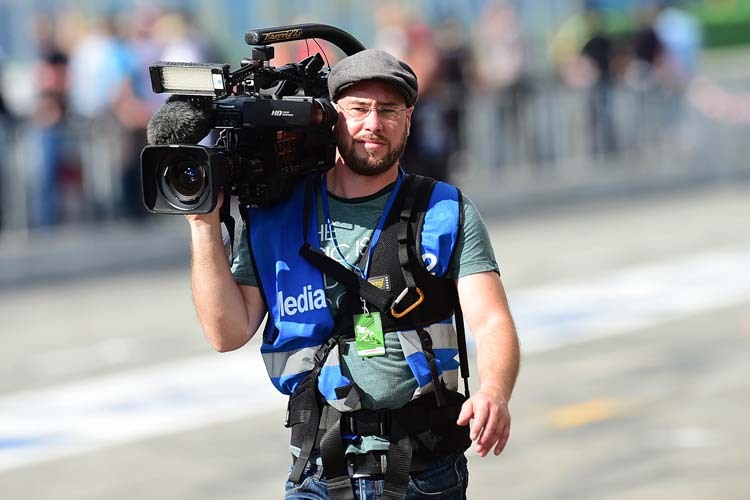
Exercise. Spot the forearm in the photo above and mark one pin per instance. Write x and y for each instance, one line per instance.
(486, 310)
(218, 300)
(497, 357)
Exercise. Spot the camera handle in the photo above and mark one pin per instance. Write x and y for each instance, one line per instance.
(289, 33)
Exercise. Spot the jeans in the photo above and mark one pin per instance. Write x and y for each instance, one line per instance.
(446, 479)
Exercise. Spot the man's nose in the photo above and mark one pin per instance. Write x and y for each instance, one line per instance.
(372, 120)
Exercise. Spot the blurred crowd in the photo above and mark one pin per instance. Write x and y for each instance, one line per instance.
(82, 136)
(78, 143)
(657, 62)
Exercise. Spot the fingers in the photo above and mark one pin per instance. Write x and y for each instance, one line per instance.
(467, 411)
(490, 427)
(211, 218)
(503, 440)
(481, 414)
(489, 433)
(219, 200)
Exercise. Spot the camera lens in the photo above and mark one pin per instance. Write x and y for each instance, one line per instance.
(185, 180)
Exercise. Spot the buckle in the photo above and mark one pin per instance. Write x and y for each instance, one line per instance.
(373, 464)
(411, 307)
(372, 424)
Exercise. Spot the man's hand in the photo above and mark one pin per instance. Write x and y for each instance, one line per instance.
(491, 421)
(209, 219)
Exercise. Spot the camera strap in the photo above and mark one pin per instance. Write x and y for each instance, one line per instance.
(225, 216)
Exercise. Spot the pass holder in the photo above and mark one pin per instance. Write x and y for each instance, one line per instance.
(368, 333)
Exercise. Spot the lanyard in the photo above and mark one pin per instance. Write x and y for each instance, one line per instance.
(375, 235)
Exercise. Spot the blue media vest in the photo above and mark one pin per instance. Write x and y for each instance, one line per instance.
(299, 318)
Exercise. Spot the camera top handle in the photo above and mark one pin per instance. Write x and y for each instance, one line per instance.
(336, 36)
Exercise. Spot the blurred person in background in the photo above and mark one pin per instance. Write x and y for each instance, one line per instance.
(428, 147)
(100, 64)
(454, 67)
(4, 113)
(439, 57)
(597, 54)
(5, 119)
(499, 66)
(48, 136)
(682, 38)
(134, 101)
(179, 40)
(647, 46)
(645, 74)
(391, 20)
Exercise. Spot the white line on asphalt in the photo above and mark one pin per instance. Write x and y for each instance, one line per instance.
(52, 423)
(630, 299)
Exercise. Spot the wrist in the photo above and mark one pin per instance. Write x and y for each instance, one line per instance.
(201, 226)
(496, 392)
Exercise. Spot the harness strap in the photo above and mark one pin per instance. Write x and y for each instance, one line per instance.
(225, 216)
(310, 418)
(463, 357)
(429, 354)
(458, 313)
(334, 464)
(304, 406)
(415, 201)
(353, 282)
(399, 463)
(416, 198)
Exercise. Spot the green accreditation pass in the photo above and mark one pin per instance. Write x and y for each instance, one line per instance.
(368, 332)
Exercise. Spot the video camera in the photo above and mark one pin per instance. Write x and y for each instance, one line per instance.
(274, 125)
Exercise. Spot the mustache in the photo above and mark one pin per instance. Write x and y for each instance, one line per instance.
(371, 138)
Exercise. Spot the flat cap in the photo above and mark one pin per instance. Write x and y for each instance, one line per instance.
(373, 64)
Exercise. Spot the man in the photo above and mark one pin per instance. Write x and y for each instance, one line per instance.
(359, 330)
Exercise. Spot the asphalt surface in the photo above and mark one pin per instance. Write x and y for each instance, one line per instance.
(655, 409)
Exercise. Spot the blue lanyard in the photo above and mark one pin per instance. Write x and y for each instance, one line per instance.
(375, 235)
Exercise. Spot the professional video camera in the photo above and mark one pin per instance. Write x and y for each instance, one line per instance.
(274, 125)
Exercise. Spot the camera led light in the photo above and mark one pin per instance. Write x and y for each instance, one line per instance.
(189, 78)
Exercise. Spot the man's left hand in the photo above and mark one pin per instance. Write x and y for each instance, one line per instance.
(491, 421)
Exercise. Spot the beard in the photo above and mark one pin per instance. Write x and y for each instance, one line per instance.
(369, 164)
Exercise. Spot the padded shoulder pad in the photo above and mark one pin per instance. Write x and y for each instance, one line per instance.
(441, 228)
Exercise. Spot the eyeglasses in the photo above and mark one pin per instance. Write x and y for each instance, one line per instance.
(359, 112)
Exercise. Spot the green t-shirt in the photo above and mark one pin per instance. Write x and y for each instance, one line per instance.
(386, 381)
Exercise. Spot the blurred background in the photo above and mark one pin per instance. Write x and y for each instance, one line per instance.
(604, 142)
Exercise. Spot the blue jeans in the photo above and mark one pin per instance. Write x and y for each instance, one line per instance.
(446, 479)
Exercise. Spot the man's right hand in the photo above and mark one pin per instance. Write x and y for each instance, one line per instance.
(210, 219)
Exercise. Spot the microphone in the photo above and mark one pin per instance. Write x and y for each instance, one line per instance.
(179, 121)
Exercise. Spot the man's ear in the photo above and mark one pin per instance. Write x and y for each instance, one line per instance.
(409, 112)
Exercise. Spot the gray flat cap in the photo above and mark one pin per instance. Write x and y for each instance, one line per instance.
(373, 64)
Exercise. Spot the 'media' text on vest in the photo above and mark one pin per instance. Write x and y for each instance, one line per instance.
(308, 300)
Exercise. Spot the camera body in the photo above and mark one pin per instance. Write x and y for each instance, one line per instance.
(273, 126)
